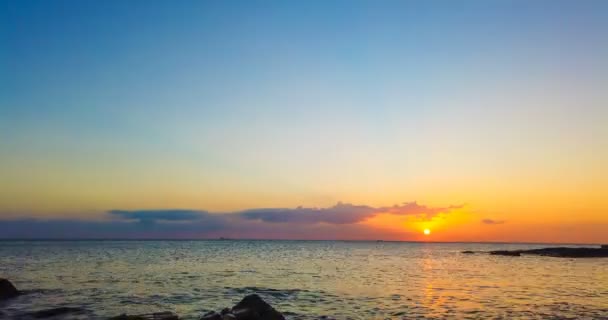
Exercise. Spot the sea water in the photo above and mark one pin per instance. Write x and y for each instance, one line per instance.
(303, 279)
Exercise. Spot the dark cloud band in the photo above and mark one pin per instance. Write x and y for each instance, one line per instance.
(343, 220)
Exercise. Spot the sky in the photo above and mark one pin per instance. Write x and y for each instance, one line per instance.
(477, 120)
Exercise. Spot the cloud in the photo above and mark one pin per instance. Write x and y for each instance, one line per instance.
(151, 216)
(491, 221)
(341, 213)
(341, 221)
(413, 208)
(338, 214)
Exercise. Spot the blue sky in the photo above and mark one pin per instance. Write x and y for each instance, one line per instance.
(231, 105)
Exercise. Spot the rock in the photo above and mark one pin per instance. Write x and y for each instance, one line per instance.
(604, 246)
(252, 307)
(468, 252)
(165, 315)
(7, 290)
(55, 312)
(211, 316)
(506, 253)
(243, 314)
(569, 252)
(559, 252)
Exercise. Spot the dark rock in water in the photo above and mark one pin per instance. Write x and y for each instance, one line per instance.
(506, 253)
(166, 315)
(568, 252)
(211, 316)
(468, 252)
(604, 246)
(560, 252)
(55, 312)
(243, 314)
(252, 307)
(7, 290)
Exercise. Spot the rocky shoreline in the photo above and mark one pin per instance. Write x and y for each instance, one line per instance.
(251, 307)
(559, 252)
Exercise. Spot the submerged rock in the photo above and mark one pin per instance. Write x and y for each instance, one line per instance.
(7, 290)
(166, 315)
(506, 253)
(468, 252)
(54, 313)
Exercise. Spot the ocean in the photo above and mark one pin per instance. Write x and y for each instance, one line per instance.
(303, 279)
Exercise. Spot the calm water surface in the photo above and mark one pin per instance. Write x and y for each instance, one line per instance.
(303, 279)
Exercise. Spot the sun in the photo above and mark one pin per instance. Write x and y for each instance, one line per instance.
(427, 232)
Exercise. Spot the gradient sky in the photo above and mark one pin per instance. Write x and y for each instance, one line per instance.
(481, 120)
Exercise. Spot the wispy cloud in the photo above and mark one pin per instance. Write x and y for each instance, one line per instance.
(492, 221)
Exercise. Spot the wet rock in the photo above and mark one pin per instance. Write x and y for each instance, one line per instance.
(506, 253)
(243, 314)
(166, 315)
(211, 316)
(55, 312)
(252, 307)
(468, 252)
(7, 290)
